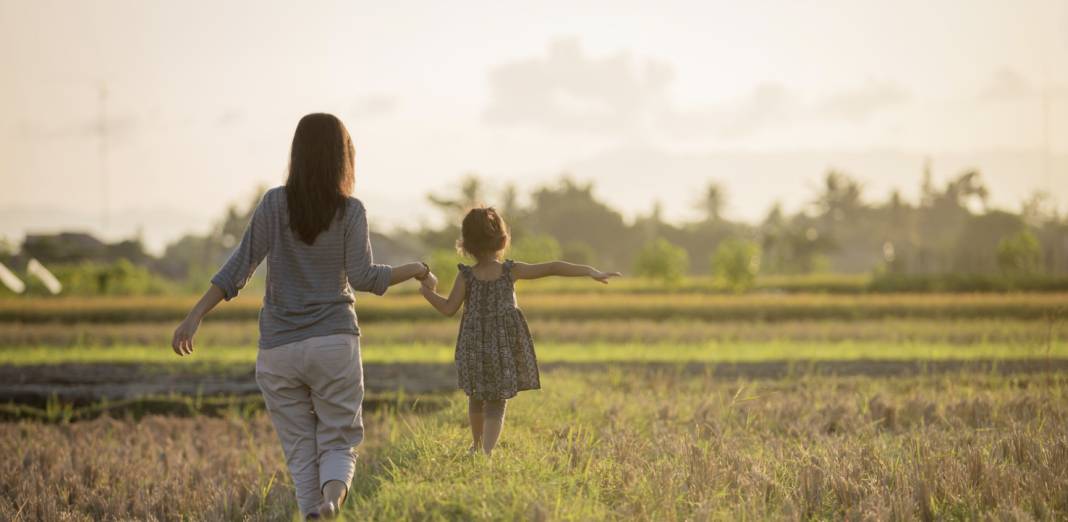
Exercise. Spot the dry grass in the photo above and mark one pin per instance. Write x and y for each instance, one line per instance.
(158, 468)
(618, 445)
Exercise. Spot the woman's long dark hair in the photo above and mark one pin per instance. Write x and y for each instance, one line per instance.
(321, 174)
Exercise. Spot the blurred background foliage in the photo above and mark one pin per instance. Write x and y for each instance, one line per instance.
(841, 241)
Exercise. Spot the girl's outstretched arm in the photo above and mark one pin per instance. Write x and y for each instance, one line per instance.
(559, 268)
(182, 342)
(447, 306)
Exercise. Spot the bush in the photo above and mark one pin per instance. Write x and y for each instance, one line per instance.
(663, 261)
(928, 283)
(443, 263)
(535, 248)
(120, 278)
(578, 252)
(737, 263)
(1020, 254)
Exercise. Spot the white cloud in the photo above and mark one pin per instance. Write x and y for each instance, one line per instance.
(116, 127)
(1007, 84)
(766, 105)
(374, 106)
(230, 117)
(860, 103)
(568, 90)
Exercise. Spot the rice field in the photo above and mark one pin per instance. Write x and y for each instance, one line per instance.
(611, 445)
(655, 406)
(712, 352)
(590, 306)
(216, 332)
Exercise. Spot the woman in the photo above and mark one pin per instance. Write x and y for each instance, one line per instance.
(314, 236)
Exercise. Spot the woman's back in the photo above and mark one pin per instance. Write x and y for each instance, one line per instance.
(308, 286)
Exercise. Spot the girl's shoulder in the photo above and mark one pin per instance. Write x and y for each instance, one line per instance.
(466, 272)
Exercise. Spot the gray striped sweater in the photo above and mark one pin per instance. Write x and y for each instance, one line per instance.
(309, 287)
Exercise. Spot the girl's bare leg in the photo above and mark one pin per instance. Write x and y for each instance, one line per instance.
(492, 425)
(474, 414)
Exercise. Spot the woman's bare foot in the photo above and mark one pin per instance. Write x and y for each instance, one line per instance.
(334, 493)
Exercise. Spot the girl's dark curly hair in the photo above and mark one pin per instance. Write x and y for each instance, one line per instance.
(483, 232)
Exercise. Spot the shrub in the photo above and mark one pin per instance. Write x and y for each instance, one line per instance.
(443, 263)
(579, 252)
(737, 263)
(955, 282)
(535, 248)
(91, 278)
(1020, 253)
(663, 261)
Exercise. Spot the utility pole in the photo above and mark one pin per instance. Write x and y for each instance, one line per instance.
(1046, 177)
(1045, 106)
(102, 151)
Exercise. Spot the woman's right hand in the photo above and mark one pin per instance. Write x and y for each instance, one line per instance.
(402, 273)
(430, 282)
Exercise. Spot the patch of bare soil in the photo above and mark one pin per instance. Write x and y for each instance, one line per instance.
(81, 384)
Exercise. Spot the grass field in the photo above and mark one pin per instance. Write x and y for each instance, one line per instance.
(571, 307)
(615, 445)
(683, 406)
(548, 353)
(442, 332)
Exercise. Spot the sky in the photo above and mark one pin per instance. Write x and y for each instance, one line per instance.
(148, 118)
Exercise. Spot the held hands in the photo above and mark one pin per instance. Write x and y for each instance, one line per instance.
(429, 282)
(422, 275)
(603, 277)
(427, 278)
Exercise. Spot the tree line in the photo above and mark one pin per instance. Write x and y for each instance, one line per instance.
(949, 232)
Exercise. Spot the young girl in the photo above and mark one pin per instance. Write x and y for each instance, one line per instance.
(494, 350)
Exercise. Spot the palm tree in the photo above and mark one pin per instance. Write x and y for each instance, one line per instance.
(841, 196)
(471, 195)
(966, 188)
(713, 201)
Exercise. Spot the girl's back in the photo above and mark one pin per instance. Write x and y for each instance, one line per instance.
(494, 349)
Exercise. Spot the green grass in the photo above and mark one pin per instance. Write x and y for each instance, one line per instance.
(443, 332)
(711, 352)
(658, 446)
(705, 307)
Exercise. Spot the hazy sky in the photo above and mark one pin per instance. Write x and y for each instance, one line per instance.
(649, 100)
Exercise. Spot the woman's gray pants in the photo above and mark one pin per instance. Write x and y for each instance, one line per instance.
(314, 394)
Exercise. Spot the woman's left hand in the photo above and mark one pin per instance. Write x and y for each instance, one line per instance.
(182, 343)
